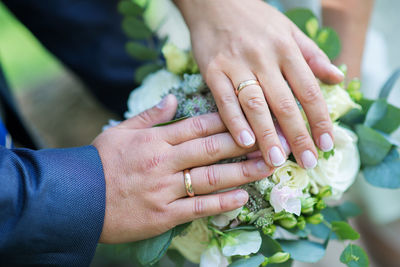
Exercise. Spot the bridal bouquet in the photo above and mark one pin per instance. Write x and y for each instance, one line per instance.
(290, 215)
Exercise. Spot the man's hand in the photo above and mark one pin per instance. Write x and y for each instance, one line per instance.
(145, 192)
(235, 41)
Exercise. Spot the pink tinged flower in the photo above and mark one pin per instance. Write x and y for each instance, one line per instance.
(286, 198)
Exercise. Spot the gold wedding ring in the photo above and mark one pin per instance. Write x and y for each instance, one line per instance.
(244, 84)
(188, 183)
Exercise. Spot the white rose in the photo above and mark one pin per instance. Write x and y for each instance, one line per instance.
(212, 256)
(151, 91)
(224, 219)
(241, 242)
(292, 174)
(340, 170)
(338, 100)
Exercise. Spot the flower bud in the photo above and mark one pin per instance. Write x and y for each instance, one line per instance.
(279, 257)
(325, 191)
(289, 222)
(301, 223)
(269, 230)
(265, 262)
(315, 219)
(320, 205)
(176, 59)
(307, 205)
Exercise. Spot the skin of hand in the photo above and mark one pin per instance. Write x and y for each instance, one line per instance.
(235, 41)
(143, 168)
(350, 19)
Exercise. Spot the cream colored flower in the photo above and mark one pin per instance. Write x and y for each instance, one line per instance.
(292, 174)
(177, 60)
(340, 170)
(222, 220)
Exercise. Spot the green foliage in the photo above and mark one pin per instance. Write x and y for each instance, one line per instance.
(344, 231)
(372, 145)
(140, 51)
(303, 250)
(269, 246)
(383, 117)
(170, 122)
(387, 173)
(150, 251)
(349, 209)
(254, 261)
(300, 17)
(130, 8)
(354, 256)
(329, 42)
(145, 70)
(136, 28)
(176, 257)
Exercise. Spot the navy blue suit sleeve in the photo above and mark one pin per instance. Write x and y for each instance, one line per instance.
(52, 205)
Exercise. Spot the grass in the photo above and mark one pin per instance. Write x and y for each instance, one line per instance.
(25, 62)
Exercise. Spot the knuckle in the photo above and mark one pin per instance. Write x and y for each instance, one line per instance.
(322, 125)
(311, 93)
(227, 101)
(153, 162)
(222, 205)
(244, 169)
(268, 134)
(198, 127)
(256, 104)
(199, 206)
(212, 177)
(211, 146)
(282, 44)
(287, 107)
(301, 140)
(145, 117)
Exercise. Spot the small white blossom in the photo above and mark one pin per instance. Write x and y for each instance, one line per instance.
(263, 185)
(286, 198)
(241, 242)
(225, 218)
(212, 256)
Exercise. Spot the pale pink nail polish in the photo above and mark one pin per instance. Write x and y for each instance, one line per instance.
(246, 138)
(309, 160)
(241, 197)
(337, 71)
(276, 156)
(325, 142)
(161, 104)
(262, 166)
(282, 139)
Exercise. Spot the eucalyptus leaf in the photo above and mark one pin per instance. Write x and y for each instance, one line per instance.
(151, 250)
(329, 42)
(349, 209)
(171, 122)
(321, 230)
(269, 246)
(136, 28)
(300, 17)
(372, 145)
(376, 112)
(176, 257)
(254, 261)
(284, 264)
(312, 27)
(344, 231)
(140, 51)
(130, 8)
(389, 85)
(303, 250)
(387, 173)
(145, 70)
(354, 256)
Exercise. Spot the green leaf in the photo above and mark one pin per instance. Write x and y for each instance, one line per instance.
(329, 42)
(389, 85)
(171, 122)
(141, 52)
(312, 27)
(303, 250)
(284, 264)
(300, 17)
(372, 145)
(176, 257)
(321, 230)
(354, 256)
(269, 246)
(243, 227)
(383, 117)
(145, 70)
(349, 209)
(151, 250)
(177, 230)
(135, 28)
(344, 231)
(387, 173)
(129, 8)
(376, 112)
(254, 261)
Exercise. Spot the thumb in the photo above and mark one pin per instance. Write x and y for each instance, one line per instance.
(316, 59)
(162, 112)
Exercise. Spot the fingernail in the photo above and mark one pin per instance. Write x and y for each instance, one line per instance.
(262, 166)
(246, 138)
(308, 159)
(336, 70)
(326, 142)
(276, 157)
(161, 104)
(284, 144)
(241, 197)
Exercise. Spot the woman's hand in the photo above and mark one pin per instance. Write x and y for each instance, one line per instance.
(143, 168)
(235, 41)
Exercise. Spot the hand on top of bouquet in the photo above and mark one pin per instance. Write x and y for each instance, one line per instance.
(234, 42)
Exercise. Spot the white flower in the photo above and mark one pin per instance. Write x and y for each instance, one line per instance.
(193, 241)
(340, 170)
(241, 242)
(212, 256)
(292, 175)
(285, 198)
(263, 185)
(151, 91)
(225, 218)
(338, 100)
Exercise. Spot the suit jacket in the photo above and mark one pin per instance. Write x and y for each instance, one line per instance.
(52, 201)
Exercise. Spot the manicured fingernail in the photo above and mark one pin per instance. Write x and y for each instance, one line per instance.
(285, 144)
(161, 104)
(326, 142)
(308, 159)
(262, 166)
(241, 197)
(276, 156)
(336, 70)
(246, 138)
